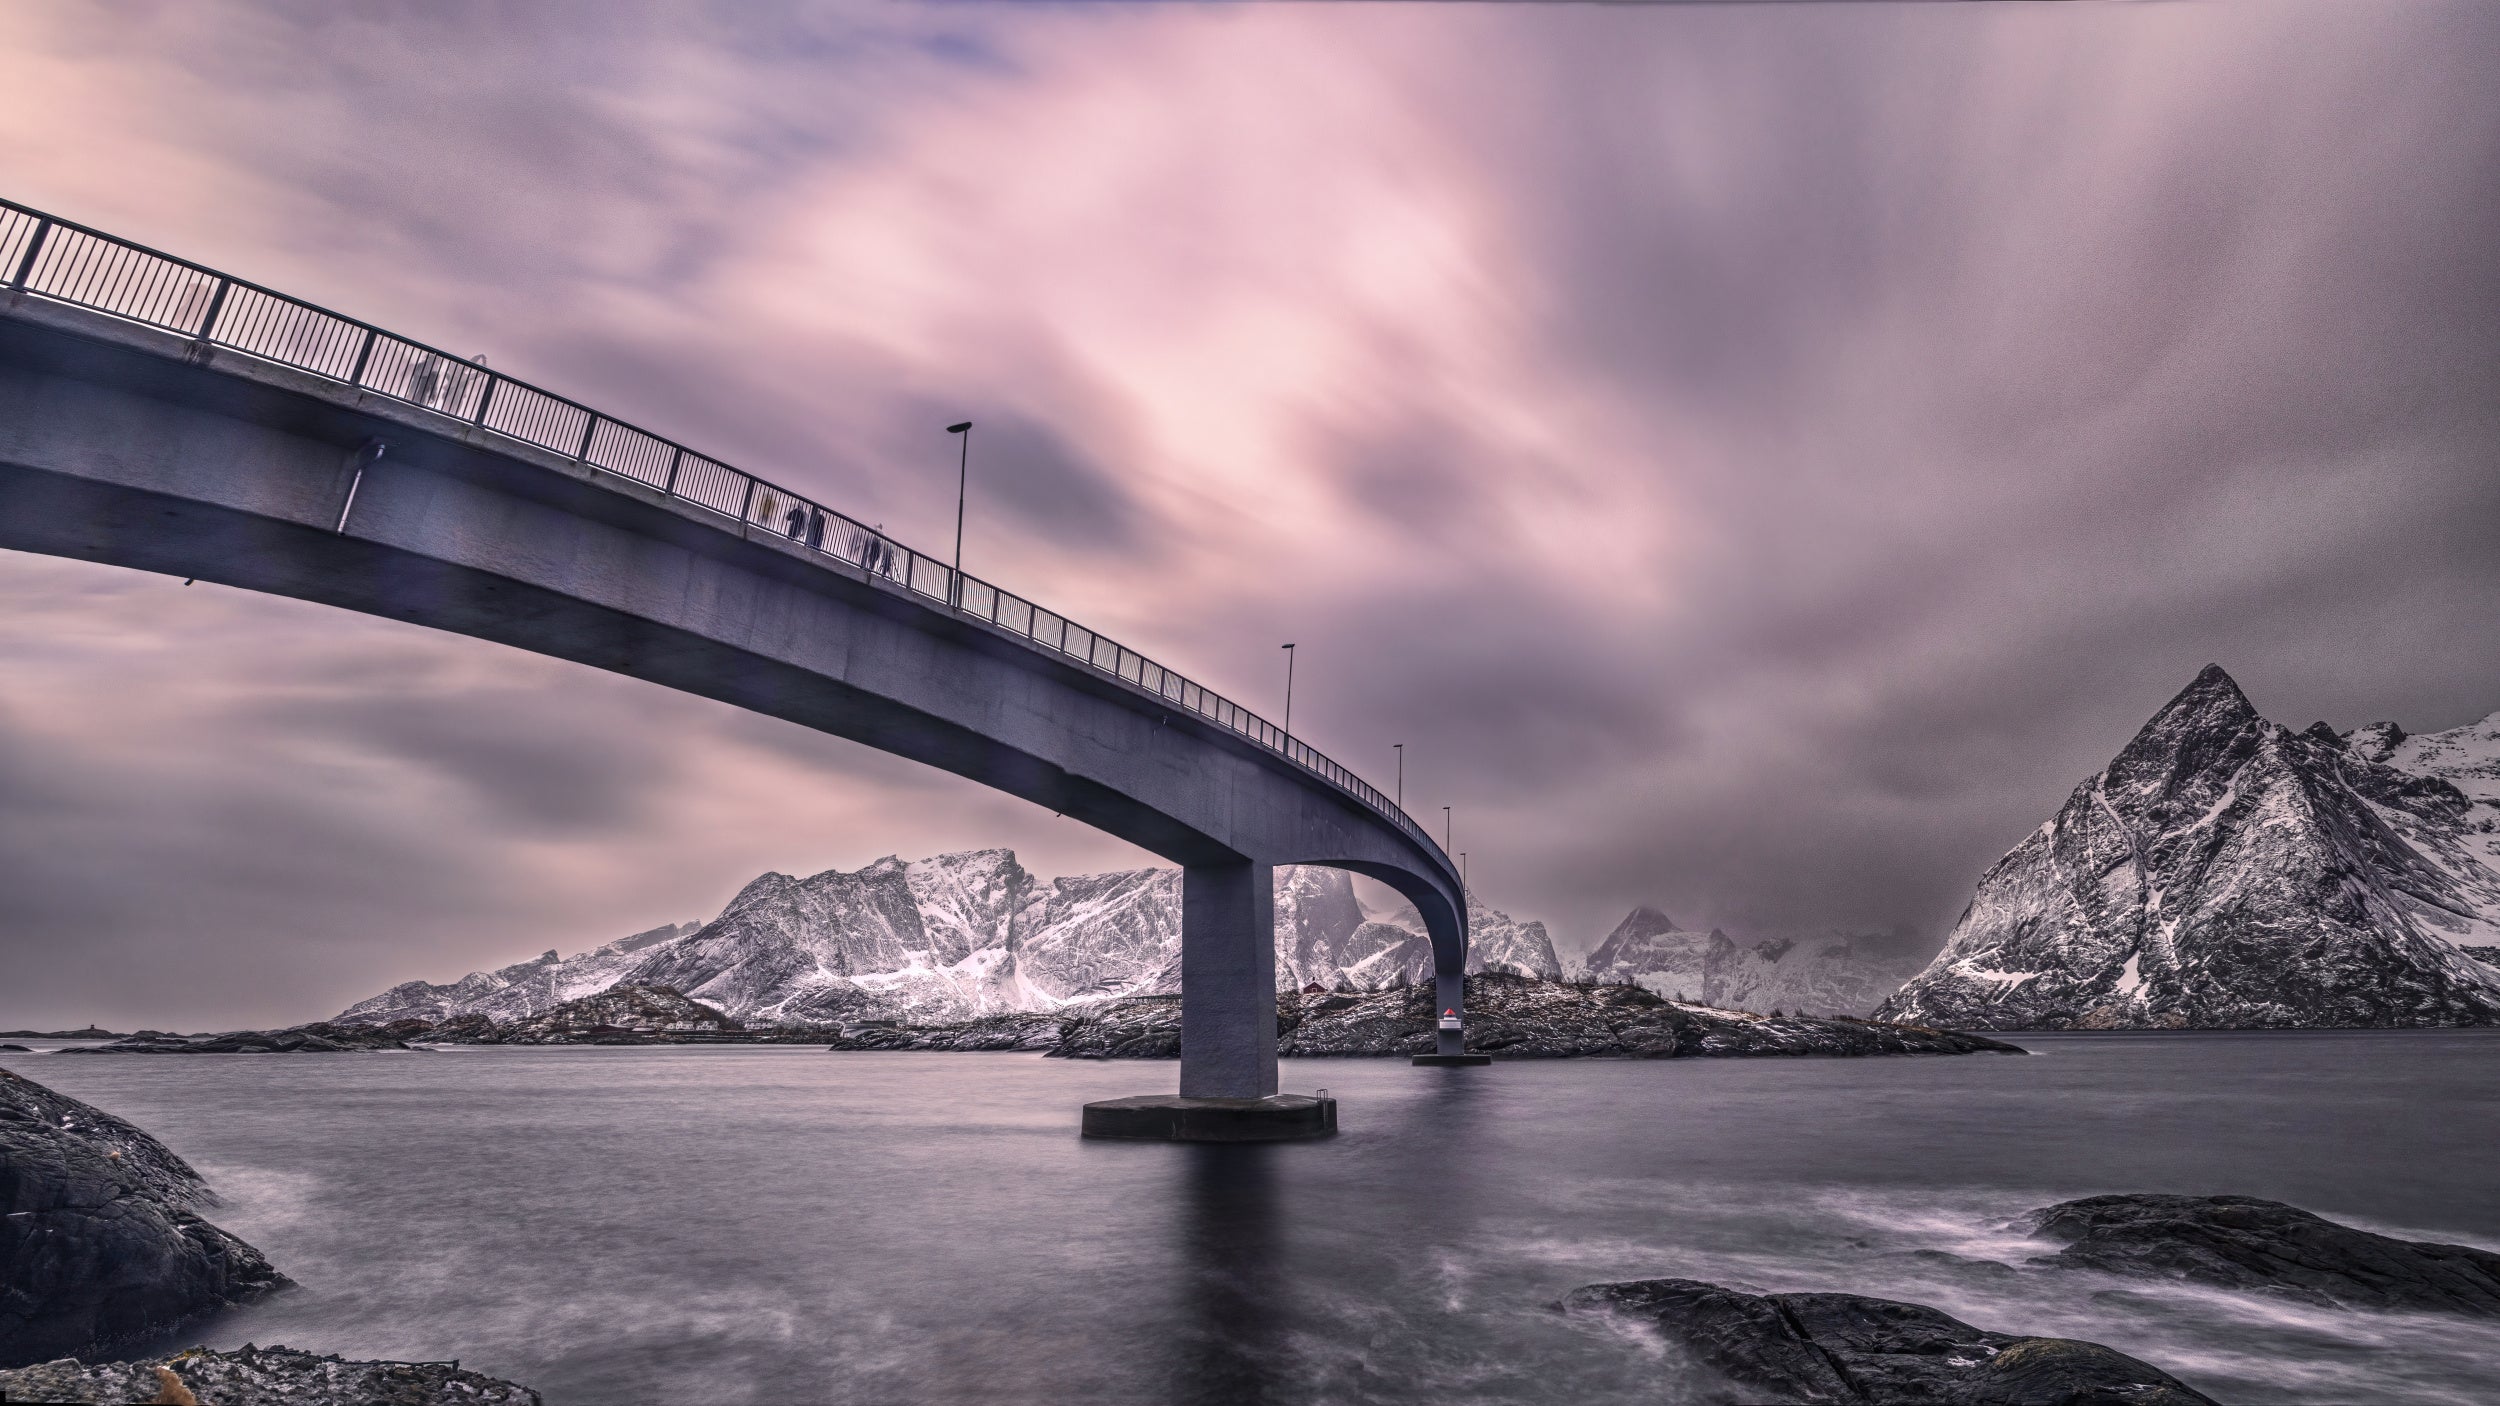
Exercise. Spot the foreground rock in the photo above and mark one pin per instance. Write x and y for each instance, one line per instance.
(1848, 1350)
(1512, 1017)
(320, 1037)
(99, 1244)
(261, 1376)
(2241, 1242)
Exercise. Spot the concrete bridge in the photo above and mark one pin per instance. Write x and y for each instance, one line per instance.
(159, 415)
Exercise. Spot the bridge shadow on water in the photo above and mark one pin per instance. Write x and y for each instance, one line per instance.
(1236, 1302)
(1272, 1236)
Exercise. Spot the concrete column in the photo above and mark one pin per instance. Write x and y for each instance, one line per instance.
(1228, 981)
(1449, 993)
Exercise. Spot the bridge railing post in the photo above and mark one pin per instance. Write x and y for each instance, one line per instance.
(34, 249)
(216, 305)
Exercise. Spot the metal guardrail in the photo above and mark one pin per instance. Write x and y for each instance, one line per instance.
(65, 262)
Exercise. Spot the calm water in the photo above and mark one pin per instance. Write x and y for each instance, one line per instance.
(784, 1225)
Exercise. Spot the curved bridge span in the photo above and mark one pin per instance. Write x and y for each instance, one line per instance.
(159, 415)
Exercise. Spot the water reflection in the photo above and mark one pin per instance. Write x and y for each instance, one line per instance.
(1234, 1343)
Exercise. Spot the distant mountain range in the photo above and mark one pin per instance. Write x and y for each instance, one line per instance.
(1835, 974)
(2221, 872)
(2227, 872)
(958, 936)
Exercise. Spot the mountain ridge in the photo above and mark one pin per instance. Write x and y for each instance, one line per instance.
(958, 936)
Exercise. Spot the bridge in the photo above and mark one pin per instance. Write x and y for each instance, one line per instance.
(161, 415)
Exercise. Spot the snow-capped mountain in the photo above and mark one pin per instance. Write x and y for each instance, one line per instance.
(2227, 872)
(1829, 975)
(521, 990)
(958, 936)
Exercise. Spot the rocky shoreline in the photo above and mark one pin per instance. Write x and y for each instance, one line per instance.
(1837, 1349)
(259, 1376)
(1852, 1350)
(100, 1239)
(1508, 1017)
(102, 1248)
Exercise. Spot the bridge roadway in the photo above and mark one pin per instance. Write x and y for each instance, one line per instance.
(135, 445)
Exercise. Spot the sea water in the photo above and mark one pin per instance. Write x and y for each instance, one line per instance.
(782, 1224)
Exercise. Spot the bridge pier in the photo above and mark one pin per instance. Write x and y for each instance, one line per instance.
(1228, 981)
(1228, 1025)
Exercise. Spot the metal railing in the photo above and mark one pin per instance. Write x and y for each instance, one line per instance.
(65, 262)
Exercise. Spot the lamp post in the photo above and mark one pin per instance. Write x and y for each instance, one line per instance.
(1401, 776)
(1462, 871)
(1445, 829)
(1289, 700)
(963, 479)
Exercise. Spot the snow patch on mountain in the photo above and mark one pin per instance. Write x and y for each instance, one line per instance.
(959, 936)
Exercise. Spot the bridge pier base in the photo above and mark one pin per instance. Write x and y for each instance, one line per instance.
(1449, 1036)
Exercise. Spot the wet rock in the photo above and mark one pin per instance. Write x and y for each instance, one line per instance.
(1849, 1350)
(261, 1376)
(15, 1049)
(2242, 1242)
(99, 1242)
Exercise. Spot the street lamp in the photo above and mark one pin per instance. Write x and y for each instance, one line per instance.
(1445, 829)
(1401, 776)
(1288, 700)
(963, 478)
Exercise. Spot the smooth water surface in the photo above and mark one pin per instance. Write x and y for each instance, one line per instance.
(616, 1226)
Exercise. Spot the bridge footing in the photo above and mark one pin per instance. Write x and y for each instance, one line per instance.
(1172, 1118)
(1452, 1061)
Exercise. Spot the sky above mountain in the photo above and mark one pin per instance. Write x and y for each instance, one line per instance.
(1757, 458)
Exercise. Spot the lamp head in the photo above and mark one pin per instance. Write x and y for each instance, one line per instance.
(959, 429)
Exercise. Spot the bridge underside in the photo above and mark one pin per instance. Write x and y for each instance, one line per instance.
(124, 445)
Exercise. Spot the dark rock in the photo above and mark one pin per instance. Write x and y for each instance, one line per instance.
(1021, 1030)
(98, 1240)
(90, 1033)
(262, 1376)
(1849, 1350)
(622, 1015)
(15, 1049)
(2242, 1242)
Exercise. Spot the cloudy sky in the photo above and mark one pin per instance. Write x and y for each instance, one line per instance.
(1757, 458)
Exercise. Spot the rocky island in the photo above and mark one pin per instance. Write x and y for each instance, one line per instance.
(1508, 1017)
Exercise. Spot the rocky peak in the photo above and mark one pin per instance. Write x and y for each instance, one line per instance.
(2208, 725)
(1644, 921)
(2375, 742)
